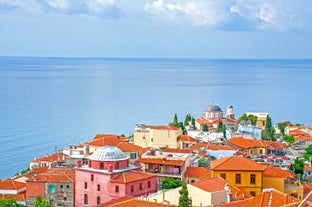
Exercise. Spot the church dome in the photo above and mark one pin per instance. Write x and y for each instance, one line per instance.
(213, 108)
(108, 153)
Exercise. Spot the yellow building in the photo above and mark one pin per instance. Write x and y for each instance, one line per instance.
(156, 136)
(250, 146)
(240, 171)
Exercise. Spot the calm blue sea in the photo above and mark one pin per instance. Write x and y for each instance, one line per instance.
(48, 103)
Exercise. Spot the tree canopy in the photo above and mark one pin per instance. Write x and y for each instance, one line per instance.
(205, 128)
(308, 153)
(41, 203)
(184, 200)
(289, 138)
(10, 202)
(297, 167)
(250, 117)
(168, 183)
(269, 131)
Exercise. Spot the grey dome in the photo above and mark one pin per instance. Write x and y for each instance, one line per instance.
(213, 108)
(108, 153)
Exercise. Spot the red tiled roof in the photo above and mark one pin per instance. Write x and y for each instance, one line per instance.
(203, 120)
(233, 203)
(172, 150)
(63, 175)
(133, 203)
(162, 161)
(109, 136)
(306, 190)
(11, 185)
(246, 143)
(20, 197)
(275, 144)
(161, 127)
(50, 158)
(206, 146)
(211, 185)
(186, 138)
(196, 172)
(131, 176)
(276, 173)
(116, 201)
(302, 138)
(271, 198)
(297, 132)
(128, 147)
(40, 169)
(100, 142)
(238, 193)
(307, 167)
(236, 163)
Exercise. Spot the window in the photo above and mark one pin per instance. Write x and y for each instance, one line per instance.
(132, 188)
(85, 199)
(51, 188)
(261, 151)
(92, 177)
(141, 186)
(223, 175)
(253, 193)
(61, 186)
(251, 152)
(98, 187)
(149, 184)
(252, 179)
(67, 186)
(98, 200)
(102, 166)
(152, 140)
(237, 178)
(117, 165)
(51, 202)
(132, 155)
(86, 185)
(117, 189)
(64, 198)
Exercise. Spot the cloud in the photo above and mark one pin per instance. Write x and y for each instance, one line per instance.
(208, 12)
(280, 15)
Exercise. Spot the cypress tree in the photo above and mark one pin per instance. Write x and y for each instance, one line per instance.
(184, 199)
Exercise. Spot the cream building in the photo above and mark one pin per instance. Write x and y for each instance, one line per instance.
(156, 136)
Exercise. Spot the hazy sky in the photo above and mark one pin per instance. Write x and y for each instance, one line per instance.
(157, 28)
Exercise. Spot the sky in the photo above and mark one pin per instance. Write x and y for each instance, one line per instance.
(157, 28)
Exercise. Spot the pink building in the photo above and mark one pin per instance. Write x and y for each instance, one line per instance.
(109, 175)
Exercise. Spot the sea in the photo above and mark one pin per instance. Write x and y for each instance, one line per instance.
(48, 103)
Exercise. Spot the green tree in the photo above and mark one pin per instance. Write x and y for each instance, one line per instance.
(9, 202)
(308, 153)
(203, 162)
(168, 183)
(205, 128)
(268, 133)
(220, 126)
(41, 203)
(187, 120)
(250, 117)
(297, 167)
(289, 138)
(175, 122)
(224, 132)
(193, 123)
(242, 118)
(184, 200)
(182, 127)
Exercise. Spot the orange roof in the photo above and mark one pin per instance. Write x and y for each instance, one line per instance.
(233, 203)
(203, 120)
(246, 143)
(109, 136)
(206, 176)
(40, 169)
(161, 127)
(20, 197)
(62, 175)
(307, 167)
(162, 161)
(186, 138)
(206, 146)
(50, 158)
(236, 163)
(172, 150)
(274, 172)
(275, 144)
(306, 190)
(131, 176)
(100, 142)
(127, 147)
(302, 138)
(11, 185)
(196, 172)
(211, 185)
(238, 193)
(297, 132)
(272, 198)
(128, 202)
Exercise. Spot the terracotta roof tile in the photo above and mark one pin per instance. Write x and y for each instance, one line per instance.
(206, 146)
(307, 167)
(211, 185)
(246, 143)
(128, 147)
(11, 185)
(186, 138)
(50, 158)
(64, 175)
(162, 161)
(277, 173)
(272, 198)
(109, 136)
(238, 193)
(203, 120)
(236, 163)
(196, 172)
(134, 203)
(297, 132)
(306, 190)
(172, 150)
(233, 203)
(130, 176)
(100, 142)
(20, 197)
(302, 138)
